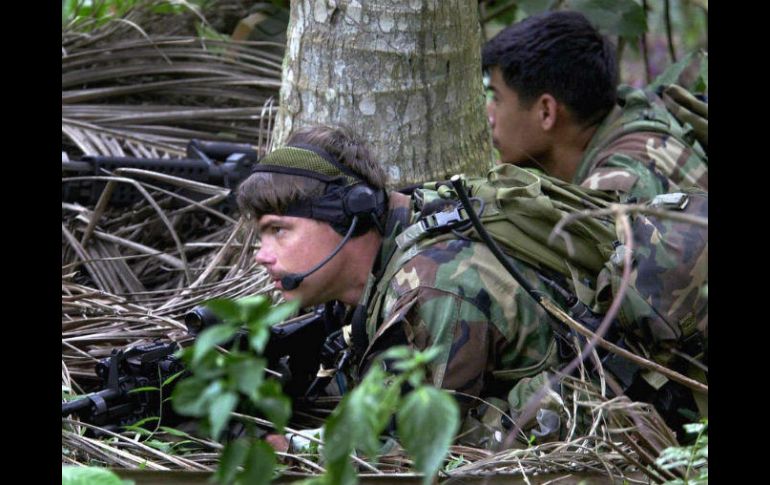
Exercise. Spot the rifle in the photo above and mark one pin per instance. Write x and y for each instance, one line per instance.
(217, 163)
(132, 378)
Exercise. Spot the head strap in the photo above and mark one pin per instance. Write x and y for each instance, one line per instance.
(307, 161)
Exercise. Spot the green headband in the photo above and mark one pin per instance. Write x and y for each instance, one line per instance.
(308, 161)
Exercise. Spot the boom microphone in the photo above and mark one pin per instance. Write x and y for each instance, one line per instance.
(292, 280)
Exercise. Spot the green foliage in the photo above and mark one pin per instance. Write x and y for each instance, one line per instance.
(94, 13)
(427, 419)
(246, 461)
(693, 458)
(624, 18)
(218, 382)
(427, 408)
(89, 475)
(674, 71)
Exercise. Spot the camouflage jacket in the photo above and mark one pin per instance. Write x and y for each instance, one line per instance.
(641, 150)
(452, 292)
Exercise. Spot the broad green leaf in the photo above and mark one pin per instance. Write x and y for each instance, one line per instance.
(219, 412)
(252, 308)
(259, 466)
(226, 309)
(188, 397)
(361, 416)
(625, 18)
(248, 375)
(259, 335)
(280, 313)
(672, 72)
(427, 422)
(275, 405)
(399, 352)
(233, 456)
(340, 472)
(208, 339)
(211, 366)
(89, 475)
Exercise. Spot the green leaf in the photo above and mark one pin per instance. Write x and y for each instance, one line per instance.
(361, 417)
(211, 366)
(208, 339)
(174, 432)
(252, 308)
(672, 72)
(399, 352)
(259, 465)
(248, 375)
(188, 398)
(259, 335)
(233, 456)
(89, 475)
(625, 18)
(427, 422)
(226, 309)
(280, 313)
(219, 412)
(192, 396)
(172, 378)
(143, 389)
(138, 425)
(275, 405)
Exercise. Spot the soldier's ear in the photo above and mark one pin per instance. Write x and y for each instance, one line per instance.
(547, 109)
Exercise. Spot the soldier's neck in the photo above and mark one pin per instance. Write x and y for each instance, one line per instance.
(567, 151)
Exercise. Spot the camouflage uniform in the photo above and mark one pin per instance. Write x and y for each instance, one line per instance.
(641, 150)
(452, 292)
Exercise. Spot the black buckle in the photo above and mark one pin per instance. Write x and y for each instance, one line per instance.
(440, 221)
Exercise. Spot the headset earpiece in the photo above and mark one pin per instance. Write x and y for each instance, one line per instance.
(360, 201)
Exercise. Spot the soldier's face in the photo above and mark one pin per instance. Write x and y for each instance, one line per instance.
(516, 129)
(295, 245)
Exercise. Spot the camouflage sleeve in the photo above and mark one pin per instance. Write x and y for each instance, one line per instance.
(493, 336)
(644, 165)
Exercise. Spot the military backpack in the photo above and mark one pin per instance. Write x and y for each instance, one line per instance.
(664, 313)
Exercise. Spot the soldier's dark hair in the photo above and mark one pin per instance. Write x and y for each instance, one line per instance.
(559, 53)
(271, 193)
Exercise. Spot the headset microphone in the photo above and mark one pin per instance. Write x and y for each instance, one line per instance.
(292, 280)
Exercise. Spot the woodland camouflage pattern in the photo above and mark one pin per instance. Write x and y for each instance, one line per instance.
(454, 293)
(666, 306)
(449, 291)
(641, 150)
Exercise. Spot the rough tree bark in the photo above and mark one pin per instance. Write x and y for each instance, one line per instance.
(405, 74)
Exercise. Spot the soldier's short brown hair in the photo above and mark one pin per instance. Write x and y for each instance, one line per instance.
(271, 193)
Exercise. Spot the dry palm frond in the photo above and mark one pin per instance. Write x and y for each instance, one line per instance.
(129, 90)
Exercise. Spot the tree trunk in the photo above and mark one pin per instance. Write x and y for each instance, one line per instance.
(404, 74)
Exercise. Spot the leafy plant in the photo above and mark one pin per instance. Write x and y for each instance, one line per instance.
(90, 475)
(694, 458)
(363, 415)
(219, 382)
